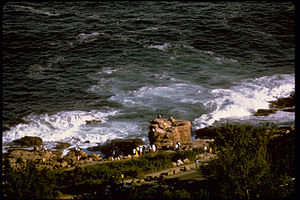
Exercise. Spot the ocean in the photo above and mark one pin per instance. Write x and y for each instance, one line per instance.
(65, 63)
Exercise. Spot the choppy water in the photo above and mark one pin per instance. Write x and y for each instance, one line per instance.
(124, 62)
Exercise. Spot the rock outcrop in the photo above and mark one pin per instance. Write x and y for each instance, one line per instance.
(165, 133)
(207, 132)
(93, 121)
(282, 104)
(120, 146)
(29, 141)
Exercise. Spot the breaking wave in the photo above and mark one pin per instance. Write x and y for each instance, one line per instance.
(64, 126)
(245, 98)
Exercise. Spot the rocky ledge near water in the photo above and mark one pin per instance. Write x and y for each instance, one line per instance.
(122, 146)
(282, 104)
(48, 159)
(28, 141)
(18, 157)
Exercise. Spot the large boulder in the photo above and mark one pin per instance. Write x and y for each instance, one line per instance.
(120, 146)
(264, 112)
(29, 141)
(209, 132)
(164, 133)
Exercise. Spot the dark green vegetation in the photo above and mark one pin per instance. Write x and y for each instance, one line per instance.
(28, 183)
(251, 163)
(254, 162)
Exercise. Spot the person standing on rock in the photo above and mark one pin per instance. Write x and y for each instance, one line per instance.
(197, 163)
(114, 154)
(205, 148)
(153, 147)
(172, 120)
(141, 150)
(210, 150)
(176, 146)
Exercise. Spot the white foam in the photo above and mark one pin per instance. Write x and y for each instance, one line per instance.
(33, 10)
(62, 126)
(160, 47)
(83, 36)
(245, 98)
(221, 60)
(158, 96)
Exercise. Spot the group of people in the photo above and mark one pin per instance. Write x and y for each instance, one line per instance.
(205, 150)
(171, 119)
(42, 148)
(142, 149)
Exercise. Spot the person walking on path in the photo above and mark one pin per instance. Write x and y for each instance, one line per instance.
(122, 178)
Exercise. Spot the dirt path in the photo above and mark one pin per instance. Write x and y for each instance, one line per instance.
(191, 174)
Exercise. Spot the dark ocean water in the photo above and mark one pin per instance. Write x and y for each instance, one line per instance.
(124, 62)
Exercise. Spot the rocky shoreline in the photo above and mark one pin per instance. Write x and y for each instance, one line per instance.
(167, 135)
(164, 133)
(79, 163)
(282, 104)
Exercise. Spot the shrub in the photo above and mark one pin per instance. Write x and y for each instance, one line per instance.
(191, 155)
(29, 183)
(243, 166)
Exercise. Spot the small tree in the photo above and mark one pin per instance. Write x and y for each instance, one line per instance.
(242, 165)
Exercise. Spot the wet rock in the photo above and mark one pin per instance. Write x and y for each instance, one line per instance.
(283, 102)
(29, 141)
(121, 146)
(93, 121)
(207, 132)
(264, 112)
(61, 146)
